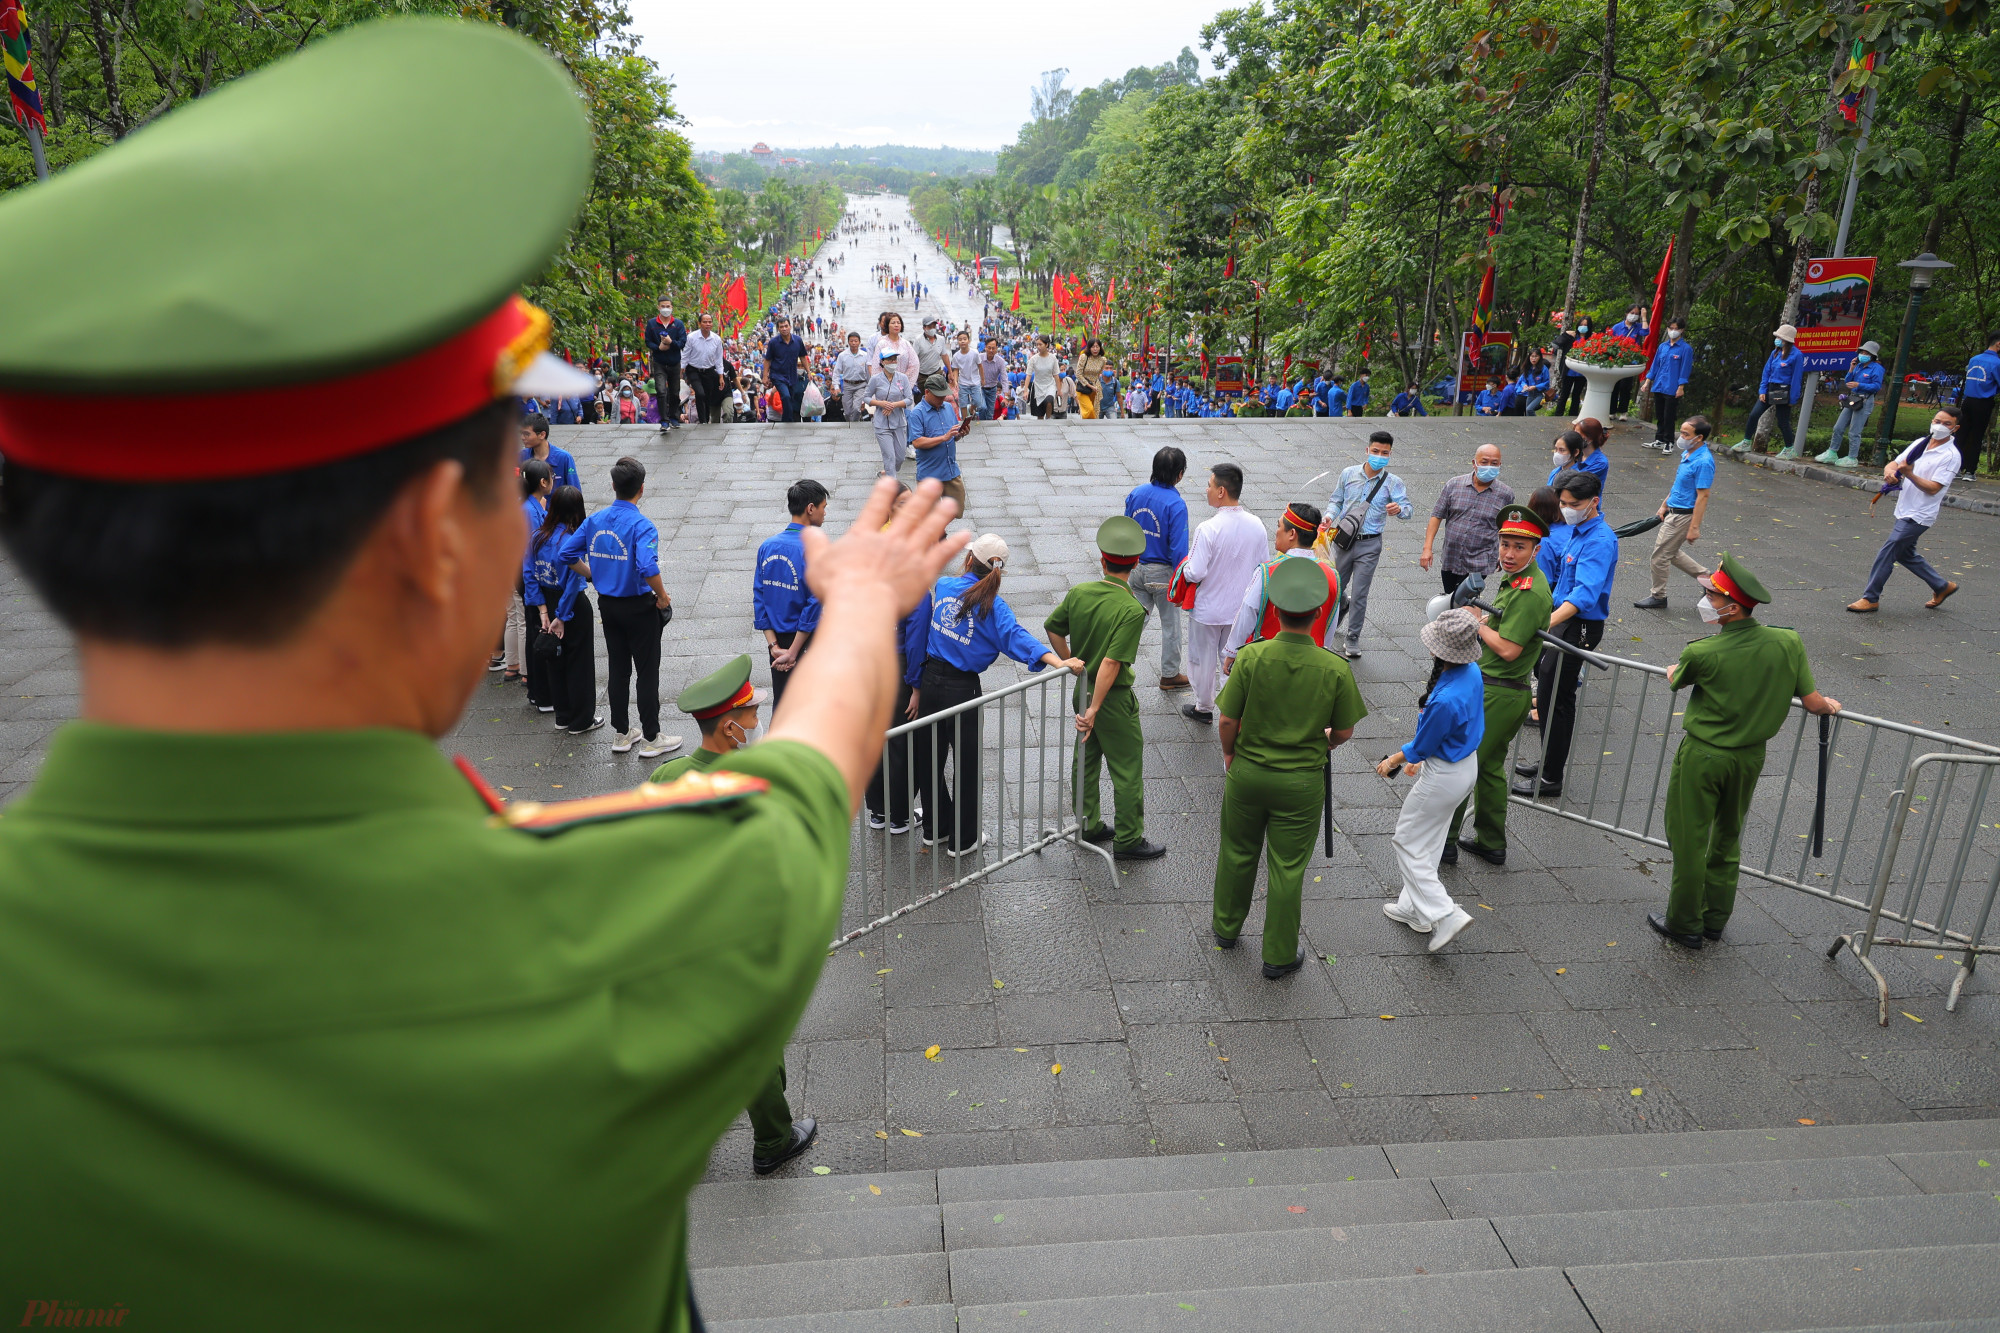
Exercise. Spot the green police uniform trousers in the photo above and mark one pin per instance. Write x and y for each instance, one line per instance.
(1116, 743)
(771, 1118)
(1706, 800)
(1505, 711)
(1278, 810)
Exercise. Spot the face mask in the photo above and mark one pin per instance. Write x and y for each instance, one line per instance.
(1559, 458)
(1864, 358)
(1687, 444)
(1673, 335)
(1778, 343)
(1709, 615)
(1940, 431)
(1488, 474)
(1582, 329)
(1374, 461)
(1572, 516)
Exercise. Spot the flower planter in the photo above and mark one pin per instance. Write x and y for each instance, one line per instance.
(1597, 396)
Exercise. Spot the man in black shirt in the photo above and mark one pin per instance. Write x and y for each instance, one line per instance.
(782, 356)
(665, 336)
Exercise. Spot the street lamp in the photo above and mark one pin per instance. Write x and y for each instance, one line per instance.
(1923, 270)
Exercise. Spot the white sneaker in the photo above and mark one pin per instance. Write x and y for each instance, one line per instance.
(1449, 929)
(1412, 920)
(621, 741)
(977, 843)
(658, 746)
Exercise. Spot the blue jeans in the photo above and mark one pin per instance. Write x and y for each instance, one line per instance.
(1853, 424)
(971, 401)
(790, 391)
(1901, 549)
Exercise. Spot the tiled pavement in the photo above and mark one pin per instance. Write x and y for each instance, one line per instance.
(1556, 1013)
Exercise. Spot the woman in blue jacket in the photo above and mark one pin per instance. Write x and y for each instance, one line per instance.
(970, 628)
(561, 611)
(1783, 380)
(1857, 403)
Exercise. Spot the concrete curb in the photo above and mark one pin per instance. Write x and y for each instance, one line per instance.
(1977, 499)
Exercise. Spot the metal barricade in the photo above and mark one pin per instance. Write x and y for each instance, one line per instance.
(1620, 760)
(1019, 745)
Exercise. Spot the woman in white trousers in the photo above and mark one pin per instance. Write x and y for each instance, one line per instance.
(1443, 757)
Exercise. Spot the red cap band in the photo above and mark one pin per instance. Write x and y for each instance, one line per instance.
(1728, 588)
(1515, 527)
(743, 698)
(1118, 561)
(171, 437)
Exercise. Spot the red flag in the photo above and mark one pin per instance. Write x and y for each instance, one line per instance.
(1659, 301)
(1017, 293)
(1482, 305)
(735, 297)
(704, 293)
(996, 280)
(1228, 271)
(1111, 293)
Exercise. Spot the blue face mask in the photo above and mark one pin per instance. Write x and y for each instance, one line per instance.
(1374, 462)
(1864, 358)
(1488, 474)
(1778, 343)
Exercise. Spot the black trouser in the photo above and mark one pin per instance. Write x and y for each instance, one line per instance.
(956, 738)
(780, 679)
(1666, 407)
(707, 395)
(1556, 679)
(895, 801)
(632, 643)
(570, 677)
(667, 385)
(1621, 395)
(1452, 580)
(1975, 415)
(1569, 398)
(1783, 433)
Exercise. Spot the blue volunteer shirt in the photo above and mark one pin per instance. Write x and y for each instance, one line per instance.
(1163, 515)
(970, 643)
(621, 546)
(1353, 489)
(1487, 404)
(1549, 555)
(1695, 473)
(1672, 364)
(1787, 368)
(779, 598)
(1982, 375)
(542, 572)
(1409, 400)
(913, 634)
(1868, 378)
(1453, 722)
(1588, 567)
(561, 463)
(940, 460)
(1283, 399)
(1358, 395)
(1535, 379)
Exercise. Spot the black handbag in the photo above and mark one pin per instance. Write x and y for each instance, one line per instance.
(547, 647)
(1778, 395)
(666, 616)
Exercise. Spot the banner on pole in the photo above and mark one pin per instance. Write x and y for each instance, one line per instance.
(1833, 311)
(1483, 356)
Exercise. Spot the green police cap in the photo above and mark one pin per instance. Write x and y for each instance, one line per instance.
(1297, 585)
(1121, 537)
(1735, 581)
(722, 692)
(346, 226)
(1521, 521)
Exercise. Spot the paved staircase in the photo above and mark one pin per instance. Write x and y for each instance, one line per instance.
(1851, 1227)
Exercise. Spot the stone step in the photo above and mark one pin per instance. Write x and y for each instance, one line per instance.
(1951, 1172)
(1507, 1300)
(819, 1286)
(862, 1232)
(1905, 1221)
(896, 1319)
(1770, 1292)
(810, 1194)
(1187, 1213)
(995, 1275)
(1599, 1151)
(1928, 1326)
(1140, 1175)
(1644, 1187)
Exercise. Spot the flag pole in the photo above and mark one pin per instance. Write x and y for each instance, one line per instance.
(35, 147)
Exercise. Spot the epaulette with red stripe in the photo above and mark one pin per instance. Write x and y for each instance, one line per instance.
(690, 791)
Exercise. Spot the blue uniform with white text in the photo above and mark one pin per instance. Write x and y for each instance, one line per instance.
(621, 546)
(562, 463)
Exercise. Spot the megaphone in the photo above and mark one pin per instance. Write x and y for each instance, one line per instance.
(1466, 594)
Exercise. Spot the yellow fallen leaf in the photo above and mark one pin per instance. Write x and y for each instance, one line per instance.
(822, 1170)
(931, 1052)
(1611, 944)
(1487, 908)
(885, 971)
(1056, 1068)
(1912, 1017)
(1808, 1122)
(876, 1189)
(999, 984)
(1318, 878)
(1388, 1018)
(1020, 1050)
(909, 1134)
(881, 1133)
(1635, 1092)
(1223, 1058)
(1561, 970)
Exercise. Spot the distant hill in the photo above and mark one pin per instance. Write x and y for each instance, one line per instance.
(944, 161)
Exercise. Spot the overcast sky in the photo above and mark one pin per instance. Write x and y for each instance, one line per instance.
(845, 75)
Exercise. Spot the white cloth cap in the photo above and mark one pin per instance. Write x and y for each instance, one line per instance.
(989, 550)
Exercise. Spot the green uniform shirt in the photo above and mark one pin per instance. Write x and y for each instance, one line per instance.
(1100, 619)
(1286, 692)
(699, 761)
(294, 1038)
(1744, 679)
(1524, 602)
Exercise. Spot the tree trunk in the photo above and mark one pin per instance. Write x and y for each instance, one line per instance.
(1677, 302)
(1606, 68)
(107, 63)
(1802, 254)
(1934, 234)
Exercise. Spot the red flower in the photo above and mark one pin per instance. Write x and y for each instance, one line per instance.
(1607, 349)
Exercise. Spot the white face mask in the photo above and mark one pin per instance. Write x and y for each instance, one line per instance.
(1709, 615)
(1572, 516)
(1940, 431)
(1559, 458)
(1673, 335)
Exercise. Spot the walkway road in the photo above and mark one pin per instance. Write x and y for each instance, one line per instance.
(909, 250)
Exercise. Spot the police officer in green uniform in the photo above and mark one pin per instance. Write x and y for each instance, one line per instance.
(1512, 647)
(1104, 619)
(1288, 702)
(724, 706)
(1744, 679)
(306, 1027)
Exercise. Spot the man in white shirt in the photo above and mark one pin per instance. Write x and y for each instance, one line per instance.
(1925, 471)
(1222, 559)
(701, 361)
(852, 369)
(933, 352)
(965, 379)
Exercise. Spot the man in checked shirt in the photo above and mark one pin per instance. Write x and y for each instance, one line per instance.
(1471, 505)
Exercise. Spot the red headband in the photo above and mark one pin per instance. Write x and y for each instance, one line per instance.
(1729, 588)
(743, 698)
(167, 437)
(1293, 517)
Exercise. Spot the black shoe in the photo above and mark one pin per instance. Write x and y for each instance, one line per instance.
(1141, 850)
(1659, 923)
(1532, 723)
(1102, 833)
(1224, 941)
(1272, 971)
(1193, 714)
(1708, 934)
(804, 1131)
(582, 728)
(1486, 854)
(1530, 788)
(1449, 856)
(1526, 770)
(1650, 603)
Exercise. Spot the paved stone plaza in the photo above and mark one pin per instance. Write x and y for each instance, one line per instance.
(1556, 1013)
